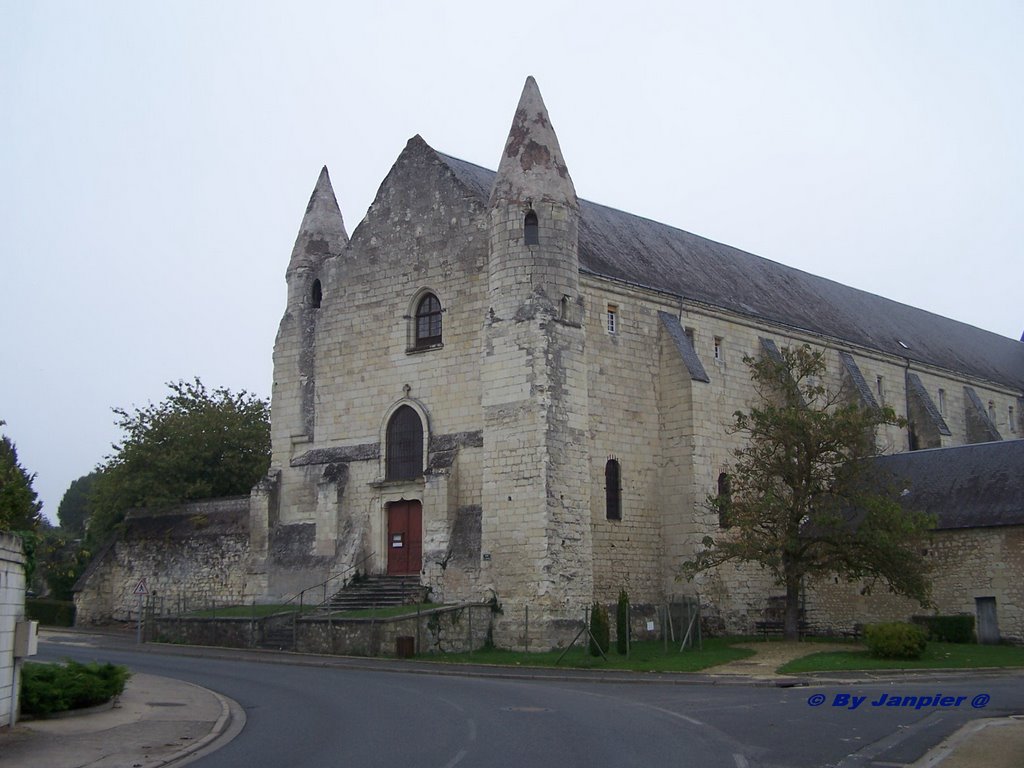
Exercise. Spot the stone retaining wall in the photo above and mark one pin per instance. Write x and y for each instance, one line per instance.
(191, 556)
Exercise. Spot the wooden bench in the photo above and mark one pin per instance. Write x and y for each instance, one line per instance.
(777, 627)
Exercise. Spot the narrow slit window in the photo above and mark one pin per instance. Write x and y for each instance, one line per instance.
(531, 230)
(880, 387)
(724, 500)
(942, 402)
(613, 319)
(316, 295)
(719, 352)
(613, 490)
(992, 411)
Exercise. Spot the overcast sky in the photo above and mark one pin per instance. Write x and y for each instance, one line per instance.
(156, 160)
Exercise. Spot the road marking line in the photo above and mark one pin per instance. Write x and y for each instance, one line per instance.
(456, 760)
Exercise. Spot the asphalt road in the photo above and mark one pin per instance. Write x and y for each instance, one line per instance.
(308, 716)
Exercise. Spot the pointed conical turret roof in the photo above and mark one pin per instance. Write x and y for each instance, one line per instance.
(532, 167)
(322, 231)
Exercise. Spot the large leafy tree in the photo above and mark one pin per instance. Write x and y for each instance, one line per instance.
(73, 510)
(19, 506)
(804, 498)
(195, 444)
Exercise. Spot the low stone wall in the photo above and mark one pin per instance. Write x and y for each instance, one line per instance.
(12, 610)
(447, 629)
(215, 632)
(192, 556)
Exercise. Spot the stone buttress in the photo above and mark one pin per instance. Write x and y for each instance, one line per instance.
(321, 235)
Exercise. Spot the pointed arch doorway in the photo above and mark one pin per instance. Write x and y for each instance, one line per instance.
(405, 538)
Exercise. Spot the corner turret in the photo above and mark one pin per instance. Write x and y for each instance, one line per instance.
(321, 234)
(532, 169)
(535, 521)
(534, 219)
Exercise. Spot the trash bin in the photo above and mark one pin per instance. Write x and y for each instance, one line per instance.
(405, 647)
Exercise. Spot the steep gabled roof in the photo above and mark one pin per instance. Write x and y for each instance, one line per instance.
(969, 486)
(636, 250)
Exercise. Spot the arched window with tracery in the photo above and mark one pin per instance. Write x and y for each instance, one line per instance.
(404, 457)
(428, 321)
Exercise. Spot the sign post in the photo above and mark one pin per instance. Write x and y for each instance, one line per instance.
(141, 590)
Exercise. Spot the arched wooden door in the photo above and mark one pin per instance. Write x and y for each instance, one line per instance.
(405, 538)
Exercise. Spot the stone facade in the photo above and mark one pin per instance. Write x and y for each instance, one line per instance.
(553, 362)
(12, 610)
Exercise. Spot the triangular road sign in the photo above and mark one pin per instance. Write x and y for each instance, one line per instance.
(141, 588)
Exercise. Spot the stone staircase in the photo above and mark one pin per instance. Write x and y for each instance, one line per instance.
(278, 637)
(377, 592)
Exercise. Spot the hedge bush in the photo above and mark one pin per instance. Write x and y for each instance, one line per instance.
(51, 613)
(948, 629)
(895, 640)
(600, 631)
(49, 688)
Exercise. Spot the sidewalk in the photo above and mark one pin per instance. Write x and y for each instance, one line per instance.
(156, 721)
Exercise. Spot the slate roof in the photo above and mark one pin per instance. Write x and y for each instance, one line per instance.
(969, 486)
(630, 248)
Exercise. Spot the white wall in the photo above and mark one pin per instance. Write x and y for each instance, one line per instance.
(12, 609)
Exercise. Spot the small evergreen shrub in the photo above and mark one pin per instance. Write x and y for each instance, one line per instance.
(895, 640)
(948, 629)
(600, 631)
(622, 623)
(49, 688)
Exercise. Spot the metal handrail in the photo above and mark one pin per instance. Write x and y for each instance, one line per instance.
(300, 596)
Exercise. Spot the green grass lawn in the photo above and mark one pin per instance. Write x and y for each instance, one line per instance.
(648, 656)
(259, 611)
(244, 611)
(936, 656)
(386, 612)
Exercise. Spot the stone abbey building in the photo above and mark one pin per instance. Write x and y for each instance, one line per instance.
(511, 393)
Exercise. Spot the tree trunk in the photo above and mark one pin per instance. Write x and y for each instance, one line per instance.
(791, 624)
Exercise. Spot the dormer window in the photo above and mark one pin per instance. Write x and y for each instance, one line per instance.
(428, 322)
(531, 230)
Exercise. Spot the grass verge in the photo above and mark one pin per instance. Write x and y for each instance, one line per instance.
(647, 656)
(246, 611)
(259, 611)
(385, 612)
(936, 656)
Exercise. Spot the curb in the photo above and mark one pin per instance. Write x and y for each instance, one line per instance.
(228, 725)
(424, 667)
